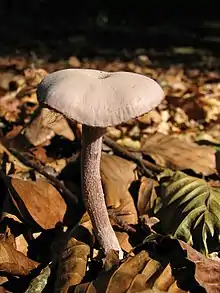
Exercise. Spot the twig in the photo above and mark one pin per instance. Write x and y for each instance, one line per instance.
(133, 156)
(120, 221)
(40, 169)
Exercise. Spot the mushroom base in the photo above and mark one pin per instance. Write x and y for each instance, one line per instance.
(92, 188)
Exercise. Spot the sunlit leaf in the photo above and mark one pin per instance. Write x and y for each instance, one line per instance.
(178, 154)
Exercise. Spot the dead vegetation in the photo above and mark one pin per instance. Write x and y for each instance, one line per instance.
(160, 175)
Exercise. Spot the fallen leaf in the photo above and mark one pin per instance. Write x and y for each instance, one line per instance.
(209, 135)
(3, 280)
(118, 279)
(18, 165)
(146, 195)
(72, 258)
(123, 276)
(123, 239)
(171, 152)
(21, 244)
(168, 265)
(38, 284)
(129, 143)
(10, 81)
(37, 200)
(13, 261)
(34, 76)
(211, 104)
(45, 126)
(207, 271)
(40, 154)
(111, 260)
(191, 269)
(74, 62)
(189, 209)
(117, 175)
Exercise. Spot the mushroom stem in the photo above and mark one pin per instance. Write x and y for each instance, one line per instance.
(92, 188)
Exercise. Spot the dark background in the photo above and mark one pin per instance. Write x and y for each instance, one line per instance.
(87, 28)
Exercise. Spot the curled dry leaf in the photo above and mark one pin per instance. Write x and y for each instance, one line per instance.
(118, 279)
(157, 272)
(190, 269)
(207, 271)
(73, 256)
(174, 267)
(171, 266)
(14, 262)
(21, 244)
(171, 152)
(37, 200)
(189, 208)
(123, 239)
(117, 175)
(45, 126)
(146, 195)
(122, 278)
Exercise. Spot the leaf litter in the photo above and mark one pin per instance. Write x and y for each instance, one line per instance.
(160, 175)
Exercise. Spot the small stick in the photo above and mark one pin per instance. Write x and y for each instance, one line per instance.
(133, 156)
(40, 169)
(116, 216)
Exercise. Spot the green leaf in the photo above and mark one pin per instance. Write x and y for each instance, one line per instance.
(190, 205)
(184, 229)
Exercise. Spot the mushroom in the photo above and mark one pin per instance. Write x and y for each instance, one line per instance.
(98, 99)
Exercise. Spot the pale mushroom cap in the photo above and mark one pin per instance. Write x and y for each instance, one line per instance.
(98, 98)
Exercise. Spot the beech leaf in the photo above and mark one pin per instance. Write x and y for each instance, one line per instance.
(37, 200)
(13, 261)
(45, 126)
(174, 153)
(73, 254)
(117, 175)
(146, 195)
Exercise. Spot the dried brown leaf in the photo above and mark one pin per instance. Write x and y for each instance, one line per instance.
(111, 260)
(45, 126)
(118, 279)
(209, 135)
(173, 266)
(117, 174)
(34, 76)
(123, 239)
(146, 195)
(171, 152)
(13, 261)
(123, 276)
(3, 280)
(143, 281)
(207, 271)
(37, 200)
(73, 256)
(187, 267)
(10, 82)
(21, 244)
(18, 165)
